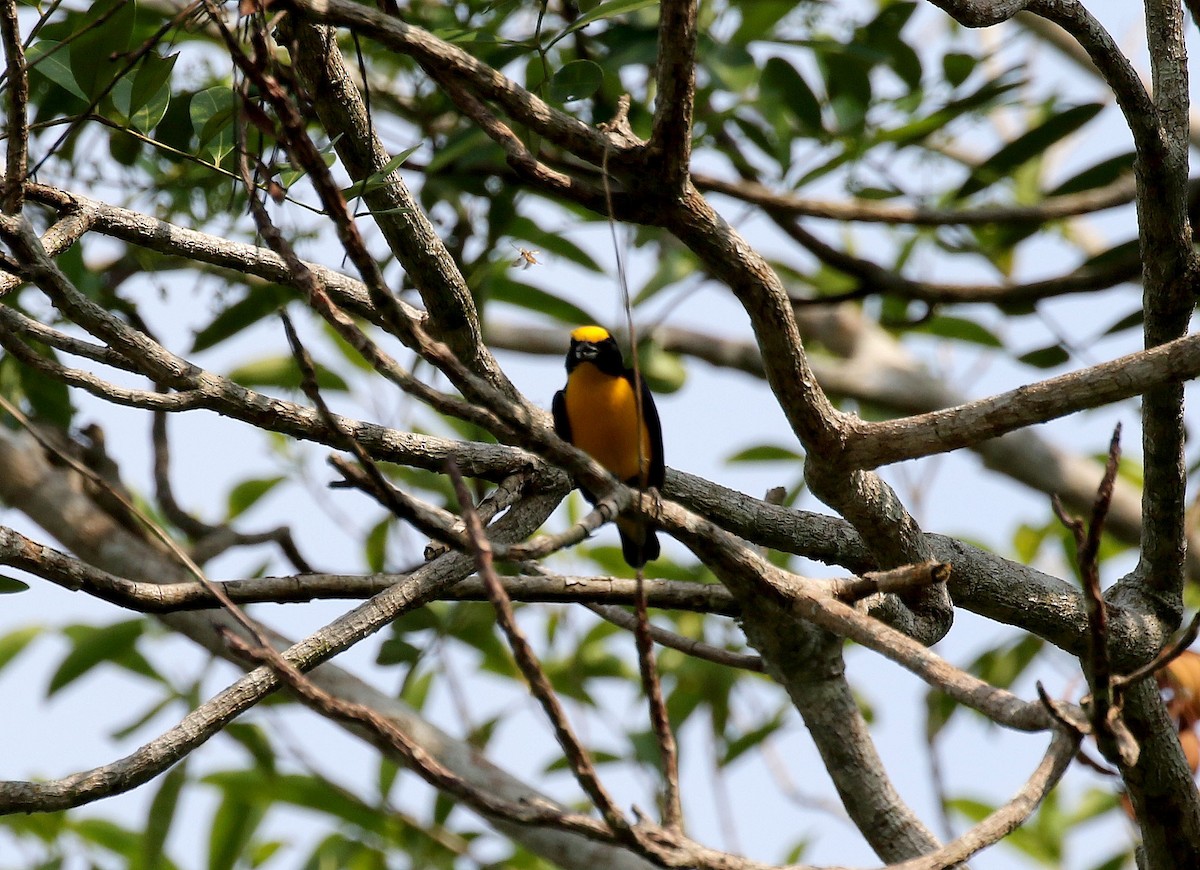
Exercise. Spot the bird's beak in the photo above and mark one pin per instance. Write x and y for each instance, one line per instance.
(585, 351)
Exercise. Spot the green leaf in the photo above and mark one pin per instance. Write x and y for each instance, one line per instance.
(262, 851)
(1027, 542)
(883, 36)
(1027, 146)
(154, 73)
(1098, 175)
(466, 148)
(376, 545)
(664, 371)
(788, 94)
(9, 585)
(379, 179)
(211, 112)
(732, 66)
(1093, 803)
(675, 264)
(939, 708)
(50, 399)
(243, 496)
(848, 86)
(1125, 252)
(504, 289)
(97, 55)
(50, 63)
(282, 371)
(150, 114)
(108, 835)
(958, 66)
(1000, 666)
(398, 651)
(257, 744)
(608, 9)
(958, 328)
(1133, 319)
(751, 739)
(93, 646)
(232, 826)
(314, 793)
(1046, 357)
(766, 453)
(12, 643)
(1003, 665)
(576, 80)
(144, 717)
(151, 853)
(259, 301)
(144, 101)
(599, 757)
(984, 96)
(759, 17)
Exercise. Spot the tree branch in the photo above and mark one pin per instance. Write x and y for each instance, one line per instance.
(952, 428)
(670, 147)
(440, 58)
(1117, 193)
(12, 194)
(410, 236)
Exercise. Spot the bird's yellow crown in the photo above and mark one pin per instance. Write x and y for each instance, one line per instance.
(592, 334)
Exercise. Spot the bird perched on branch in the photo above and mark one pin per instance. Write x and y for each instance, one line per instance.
(598, 411)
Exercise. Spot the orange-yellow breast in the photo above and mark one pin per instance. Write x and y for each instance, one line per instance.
(603, 414)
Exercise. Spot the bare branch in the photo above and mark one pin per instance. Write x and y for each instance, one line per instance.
(410, 235)
(660, 721)
(1007, 818)
(539, 685)
(949, 429)
(441, 58)
(384, 730)
(1117, 193)
(12, 196)
(670, 147)
(873, 278)
(1164, 658)
(981, 13)
(701, 650)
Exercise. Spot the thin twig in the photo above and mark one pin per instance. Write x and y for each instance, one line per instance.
(668, 750)
(619, 616)
(1105, 704)
(575, 752)
(384, 730)
(1164, 658)
(153, 527)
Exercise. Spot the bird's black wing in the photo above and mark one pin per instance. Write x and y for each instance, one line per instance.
(562, 423)
(658, 467)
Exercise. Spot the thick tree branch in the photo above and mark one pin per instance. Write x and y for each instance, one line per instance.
(981, 13)
(952, 428)
(669, 150)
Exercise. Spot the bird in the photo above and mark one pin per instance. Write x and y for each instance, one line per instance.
(597, 411)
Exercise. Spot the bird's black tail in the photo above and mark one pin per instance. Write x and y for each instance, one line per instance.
(639, 542)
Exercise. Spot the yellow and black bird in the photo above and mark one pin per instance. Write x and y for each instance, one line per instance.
(597, 411)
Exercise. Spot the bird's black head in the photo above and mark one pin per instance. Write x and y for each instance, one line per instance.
(596, 345)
